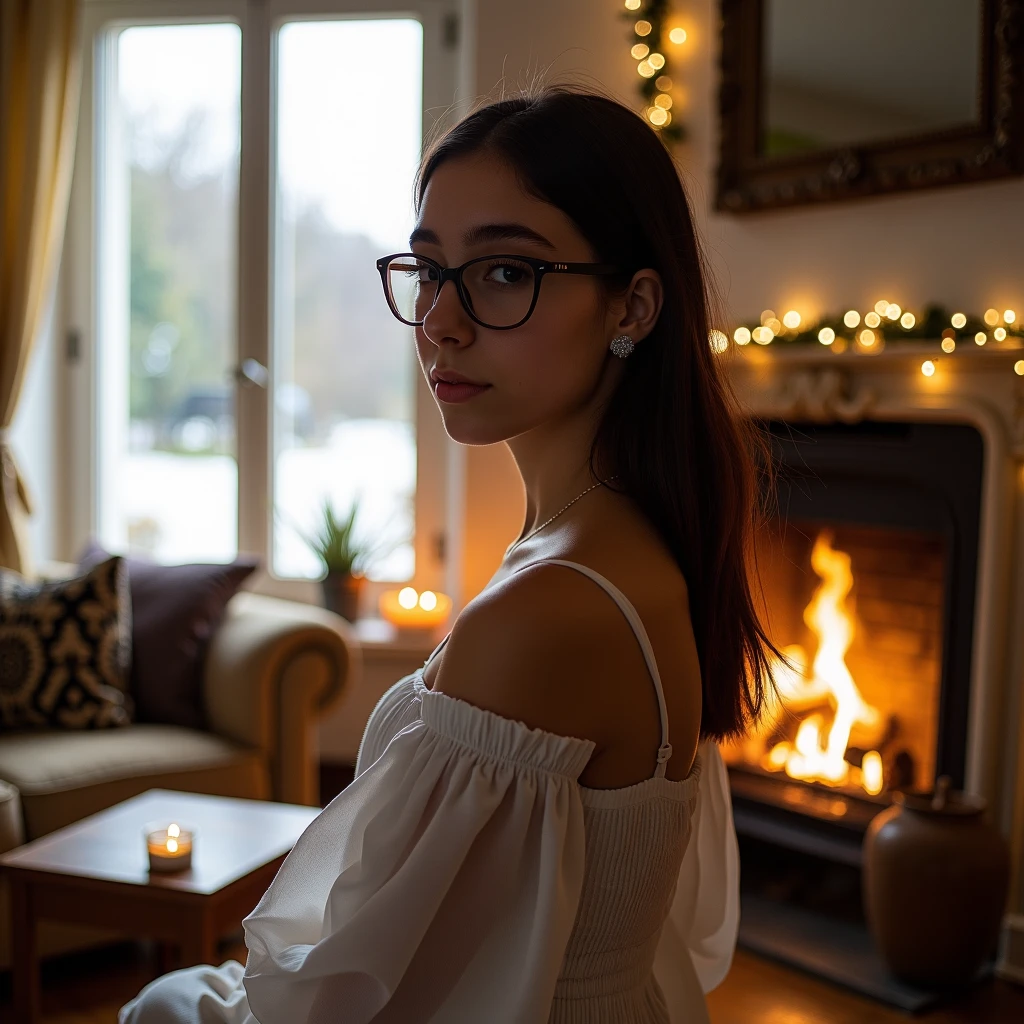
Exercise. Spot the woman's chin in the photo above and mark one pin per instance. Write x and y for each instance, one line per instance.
(471, 430)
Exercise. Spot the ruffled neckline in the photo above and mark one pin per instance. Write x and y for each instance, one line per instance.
(683, 790)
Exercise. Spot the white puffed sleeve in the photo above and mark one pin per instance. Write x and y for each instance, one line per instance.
(442, 884)
(699, 937)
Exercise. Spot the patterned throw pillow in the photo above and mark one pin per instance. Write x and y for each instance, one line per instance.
(65, 648)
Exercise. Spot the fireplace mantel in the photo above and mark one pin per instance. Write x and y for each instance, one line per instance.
(973, 385)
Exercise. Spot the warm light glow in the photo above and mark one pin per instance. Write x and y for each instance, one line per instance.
(766, 315)
(928, 368)
(645, 69)
(948, 344)
(741, 336)
(980, 338)
(892, 311)
(633, 5)
(642, 28)
(872, 775)
(678, 35)
(991, 317)
(1009, 316)
(664, 83)
(958, 320)
(657, 61)
(908, 320)
(774, 325)
(656, 115)
(999, 334)
(872, 319)
(1018, 367)
(172, 844)
(819, 751)
(852, 318)
(866, 337)
(826, 335)
(661, 100)
(762, 335)
(792, 319)
(173, 831)
(881, 306)
(640, 51)
(408, 609)
(719, 341)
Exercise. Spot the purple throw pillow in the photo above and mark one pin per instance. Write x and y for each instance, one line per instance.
(175, 611)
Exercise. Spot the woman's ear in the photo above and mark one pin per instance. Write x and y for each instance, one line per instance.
(639, 310)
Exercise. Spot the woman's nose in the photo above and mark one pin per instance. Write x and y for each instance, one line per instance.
(447, 318)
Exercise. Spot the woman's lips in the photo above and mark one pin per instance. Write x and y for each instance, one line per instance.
(457, 392)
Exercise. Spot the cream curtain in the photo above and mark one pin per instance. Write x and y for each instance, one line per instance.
(40, 76)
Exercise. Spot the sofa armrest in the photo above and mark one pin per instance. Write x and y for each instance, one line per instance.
(272, 668)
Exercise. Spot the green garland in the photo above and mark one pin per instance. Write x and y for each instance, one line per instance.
(936, 322)
(654, 12)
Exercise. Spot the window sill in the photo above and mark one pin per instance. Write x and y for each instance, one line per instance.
(380, 640)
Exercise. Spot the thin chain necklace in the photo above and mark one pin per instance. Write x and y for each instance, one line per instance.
(522, 540)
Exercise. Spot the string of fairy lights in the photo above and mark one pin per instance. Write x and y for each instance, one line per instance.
(651, 30)
(869, 332)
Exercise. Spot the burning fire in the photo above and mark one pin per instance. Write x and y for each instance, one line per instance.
(818, 753)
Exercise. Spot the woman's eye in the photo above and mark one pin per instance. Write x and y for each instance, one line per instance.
(508, 273)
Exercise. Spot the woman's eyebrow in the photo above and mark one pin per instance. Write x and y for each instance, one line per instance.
(487, 233)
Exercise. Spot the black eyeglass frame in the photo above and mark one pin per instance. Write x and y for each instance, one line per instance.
(540, 268)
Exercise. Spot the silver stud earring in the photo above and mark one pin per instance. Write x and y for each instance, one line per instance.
(622, 346)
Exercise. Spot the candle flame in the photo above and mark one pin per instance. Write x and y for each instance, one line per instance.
(172, 844)
(173, 830)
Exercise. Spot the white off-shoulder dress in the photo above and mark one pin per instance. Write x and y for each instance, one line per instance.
(466, 876)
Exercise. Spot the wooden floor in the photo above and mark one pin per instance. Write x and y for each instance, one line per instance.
(89, 988)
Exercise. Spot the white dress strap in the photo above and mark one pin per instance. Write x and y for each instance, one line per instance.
(627, 608)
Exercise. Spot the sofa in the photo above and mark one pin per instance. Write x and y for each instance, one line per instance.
(271, 669)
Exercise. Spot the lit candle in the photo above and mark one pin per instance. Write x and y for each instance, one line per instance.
(408, 609)
(170, 848)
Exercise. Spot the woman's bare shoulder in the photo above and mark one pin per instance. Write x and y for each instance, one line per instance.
(528, 648)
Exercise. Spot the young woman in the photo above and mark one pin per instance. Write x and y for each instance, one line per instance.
(540, 828)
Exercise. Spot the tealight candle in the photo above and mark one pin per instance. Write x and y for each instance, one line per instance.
(170, 848)
(408, 609)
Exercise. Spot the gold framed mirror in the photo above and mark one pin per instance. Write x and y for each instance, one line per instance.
(825, 100)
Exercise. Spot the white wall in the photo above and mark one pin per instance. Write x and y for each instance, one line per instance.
(958, 246)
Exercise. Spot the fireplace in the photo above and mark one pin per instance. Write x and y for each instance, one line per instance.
(868, 574)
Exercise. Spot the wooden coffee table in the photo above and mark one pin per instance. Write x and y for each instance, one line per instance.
(96, 872)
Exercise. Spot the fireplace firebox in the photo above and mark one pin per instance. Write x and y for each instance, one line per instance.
(867, 573)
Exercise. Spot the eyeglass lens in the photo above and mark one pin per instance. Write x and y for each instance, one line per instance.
(499, 290)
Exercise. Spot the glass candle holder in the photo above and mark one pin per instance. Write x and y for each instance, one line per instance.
(169, 846)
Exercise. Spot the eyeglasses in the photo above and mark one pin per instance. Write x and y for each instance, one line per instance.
(498, 292)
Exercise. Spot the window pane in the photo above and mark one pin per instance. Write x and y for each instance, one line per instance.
(349, 130)
(167, 216)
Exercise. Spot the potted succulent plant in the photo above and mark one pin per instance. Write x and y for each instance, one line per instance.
(343, 557)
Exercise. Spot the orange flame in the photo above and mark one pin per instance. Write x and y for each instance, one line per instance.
(818, 755)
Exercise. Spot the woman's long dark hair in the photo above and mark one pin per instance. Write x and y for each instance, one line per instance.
(671, 430)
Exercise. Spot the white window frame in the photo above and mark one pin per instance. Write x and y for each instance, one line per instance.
(439, 462)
